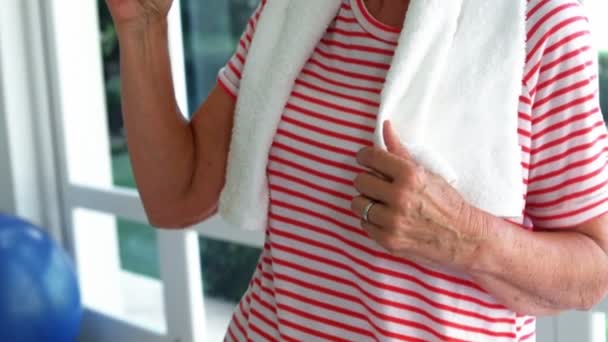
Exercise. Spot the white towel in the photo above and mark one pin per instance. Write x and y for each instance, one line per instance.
(451, 93)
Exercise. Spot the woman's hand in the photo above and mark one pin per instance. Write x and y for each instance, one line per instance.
(418, 215)
(138, 13)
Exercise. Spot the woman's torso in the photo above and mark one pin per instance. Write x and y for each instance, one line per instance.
(320, 277)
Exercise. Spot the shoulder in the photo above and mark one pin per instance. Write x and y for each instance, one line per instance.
(554, 18)
(558, 33)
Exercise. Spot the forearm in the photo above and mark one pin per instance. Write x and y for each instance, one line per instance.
(160, 140)
(419, 216)
(539, 272)
(516, 299)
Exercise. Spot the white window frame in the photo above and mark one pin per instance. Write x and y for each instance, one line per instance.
(33, 138)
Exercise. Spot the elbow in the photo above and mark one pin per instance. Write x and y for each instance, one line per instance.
(591, 299)
(588, 304)
(586, 307)
(164, 221)
(585, 300)
(538, 309)
(180, 212)
(167, 223)
(178, 217)
(593, 294)
(540, 312)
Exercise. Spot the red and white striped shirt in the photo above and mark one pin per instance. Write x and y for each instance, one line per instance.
(320, 277)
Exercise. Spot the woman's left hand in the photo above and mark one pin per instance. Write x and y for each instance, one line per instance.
(418, 215)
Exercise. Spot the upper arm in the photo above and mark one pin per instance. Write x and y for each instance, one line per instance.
(568, 177)
(212, 130)
(211, 126)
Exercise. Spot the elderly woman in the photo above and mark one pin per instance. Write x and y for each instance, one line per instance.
(368, 237)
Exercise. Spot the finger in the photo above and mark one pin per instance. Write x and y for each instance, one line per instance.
(380, 176)
(374, 187)
(392, 141)
(388, 164)
(379, 214)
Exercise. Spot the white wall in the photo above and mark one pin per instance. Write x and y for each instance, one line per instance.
(19, 170)
(27, 169)
(7, 199)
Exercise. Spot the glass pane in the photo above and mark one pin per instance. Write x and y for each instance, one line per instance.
(122, 174)
(118, 268)
(211, 31)
(226, 270)
(138, 248)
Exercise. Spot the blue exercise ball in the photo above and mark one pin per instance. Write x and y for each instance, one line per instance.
(39, 295)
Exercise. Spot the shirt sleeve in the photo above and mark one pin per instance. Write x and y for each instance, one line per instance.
(229, 76)
(568, 175)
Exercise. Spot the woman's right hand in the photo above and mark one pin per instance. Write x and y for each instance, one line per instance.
(138, 13)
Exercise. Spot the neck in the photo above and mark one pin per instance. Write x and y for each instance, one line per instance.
(389, 12)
